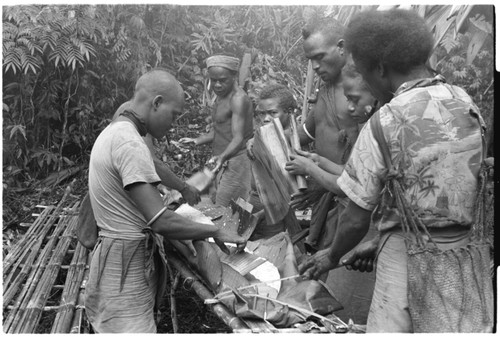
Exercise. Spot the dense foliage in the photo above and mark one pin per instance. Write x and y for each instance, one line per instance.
(66, 68)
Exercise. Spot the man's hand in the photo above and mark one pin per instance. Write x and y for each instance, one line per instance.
(313, 156)
(298, 165)
(363, 256)
(250, 153)
(191, 194)
(187, 140)
(316, 265)
(216, 162)
(226, 236)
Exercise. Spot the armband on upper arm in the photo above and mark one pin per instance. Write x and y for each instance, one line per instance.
(307, 132)
(153, 219)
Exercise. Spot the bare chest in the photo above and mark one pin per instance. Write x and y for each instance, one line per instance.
(222, 111)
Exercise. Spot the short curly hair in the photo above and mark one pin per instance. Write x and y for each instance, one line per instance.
(286, 99)
(350, 71)
(399, 39)
(331, 28)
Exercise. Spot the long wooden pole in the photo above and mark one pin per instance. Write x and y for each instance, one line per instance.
(307, 92)
(219, 309)
(69, 297)
(295, 142)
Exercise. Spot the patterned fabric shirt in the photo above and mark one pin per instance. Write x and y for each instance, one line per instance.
(435, 139)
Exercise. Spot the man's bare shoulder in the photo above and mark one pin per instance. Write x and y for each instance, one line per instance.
(240, 98)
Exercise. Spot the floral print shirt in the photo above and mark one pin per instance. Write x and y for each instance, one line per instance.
(433, 131)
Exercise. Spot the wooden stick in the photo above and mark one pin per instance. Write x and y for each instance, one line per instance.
(221, 294)
(294, 140)
(173, 302)
(219, 309)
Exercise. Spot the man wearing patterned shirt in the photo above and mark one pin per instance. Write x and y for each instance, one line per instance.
(433, 131)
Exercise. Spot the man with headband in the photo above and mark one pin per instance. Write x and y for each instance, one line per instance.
(232, 126)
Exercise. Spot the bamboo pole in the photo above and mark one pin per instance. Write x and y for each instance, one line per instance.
(219, 309)
(77, 325)
(25, 246)
(58, 248)
(307, 92)
(280, 133)
(295, 142)
(12, 320)
(173, 302)
(69, 297)
(48, 215)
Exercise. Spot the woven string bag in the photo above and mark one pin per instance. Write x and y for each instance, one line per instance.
(448, 290)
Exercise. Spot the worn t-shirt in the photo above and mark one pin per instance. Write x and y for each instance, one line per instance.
(435, 140)
(119, 158)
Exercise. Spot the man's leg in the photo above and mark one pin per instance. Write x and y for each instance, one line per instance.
(389, 308)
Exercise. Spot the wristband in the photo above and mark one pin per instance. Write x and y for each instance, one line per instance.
(307, 132)
(153, 219)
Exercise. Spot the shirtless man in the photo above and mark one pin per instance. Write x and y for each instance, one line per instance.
(334, 131)
(329, 124)
(361, 106)
(232, 126)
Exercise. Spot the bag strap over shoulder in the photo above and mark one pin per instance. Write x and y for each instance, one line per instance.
(410, 222)
(378, 133)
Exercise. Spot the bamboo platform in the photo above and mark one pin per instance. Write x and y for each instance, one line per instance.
(44, 278)
(44, 272)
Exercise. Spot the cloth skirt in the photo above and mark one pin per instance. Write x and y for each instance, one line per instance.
(120, 293)
(233, 180)
(389, 310)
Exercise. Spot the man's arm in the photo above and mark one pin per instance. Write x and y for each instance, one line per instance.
(169, 179)
(330, 166)
(307, 129)
(353, 226)
(240, 108)
(170, 224)
(325, 179)
(324, 171)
